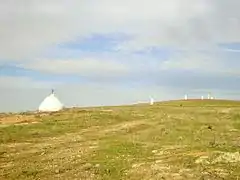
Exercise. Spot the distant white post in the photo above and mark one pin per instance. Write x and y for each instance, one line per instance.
(151, 101)
(202, 97)
(186, 97)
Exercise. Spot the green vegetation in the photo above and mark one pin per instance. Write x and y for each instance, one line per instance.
(170, 140)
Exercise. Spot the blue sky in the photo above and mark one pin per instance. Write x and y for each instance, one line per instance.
(114, 55)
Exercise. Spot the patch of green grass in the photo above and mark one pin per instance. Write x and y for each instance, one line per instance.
(115, 157)
(236, 121)
(56, 125)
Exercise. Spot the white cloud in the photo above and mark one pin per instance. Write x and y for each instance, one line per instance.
(231, 50)
(86, 66)
(22, 82)
(211, 61)
(27, 27)
(118, 64)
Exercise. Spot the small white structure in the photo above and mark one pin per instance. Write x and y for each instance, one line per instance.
(186, 97)
(202, 97)
(209, 96)
(151, 101)
(50, 104)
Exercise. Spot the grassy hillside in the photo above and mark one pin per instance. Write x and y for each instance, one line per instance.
(169, 140)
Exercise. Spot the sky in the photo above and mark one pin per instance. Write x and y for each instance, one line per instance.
(113, 52)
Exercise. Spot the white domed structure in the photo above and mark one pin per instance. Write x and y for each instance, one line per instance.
(50, 104)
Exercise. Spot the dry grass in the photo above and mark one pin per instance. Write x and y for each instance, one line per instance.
(198, 140)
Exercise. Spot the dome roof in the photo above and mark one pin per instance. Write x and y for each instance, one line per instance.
(50, 103)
